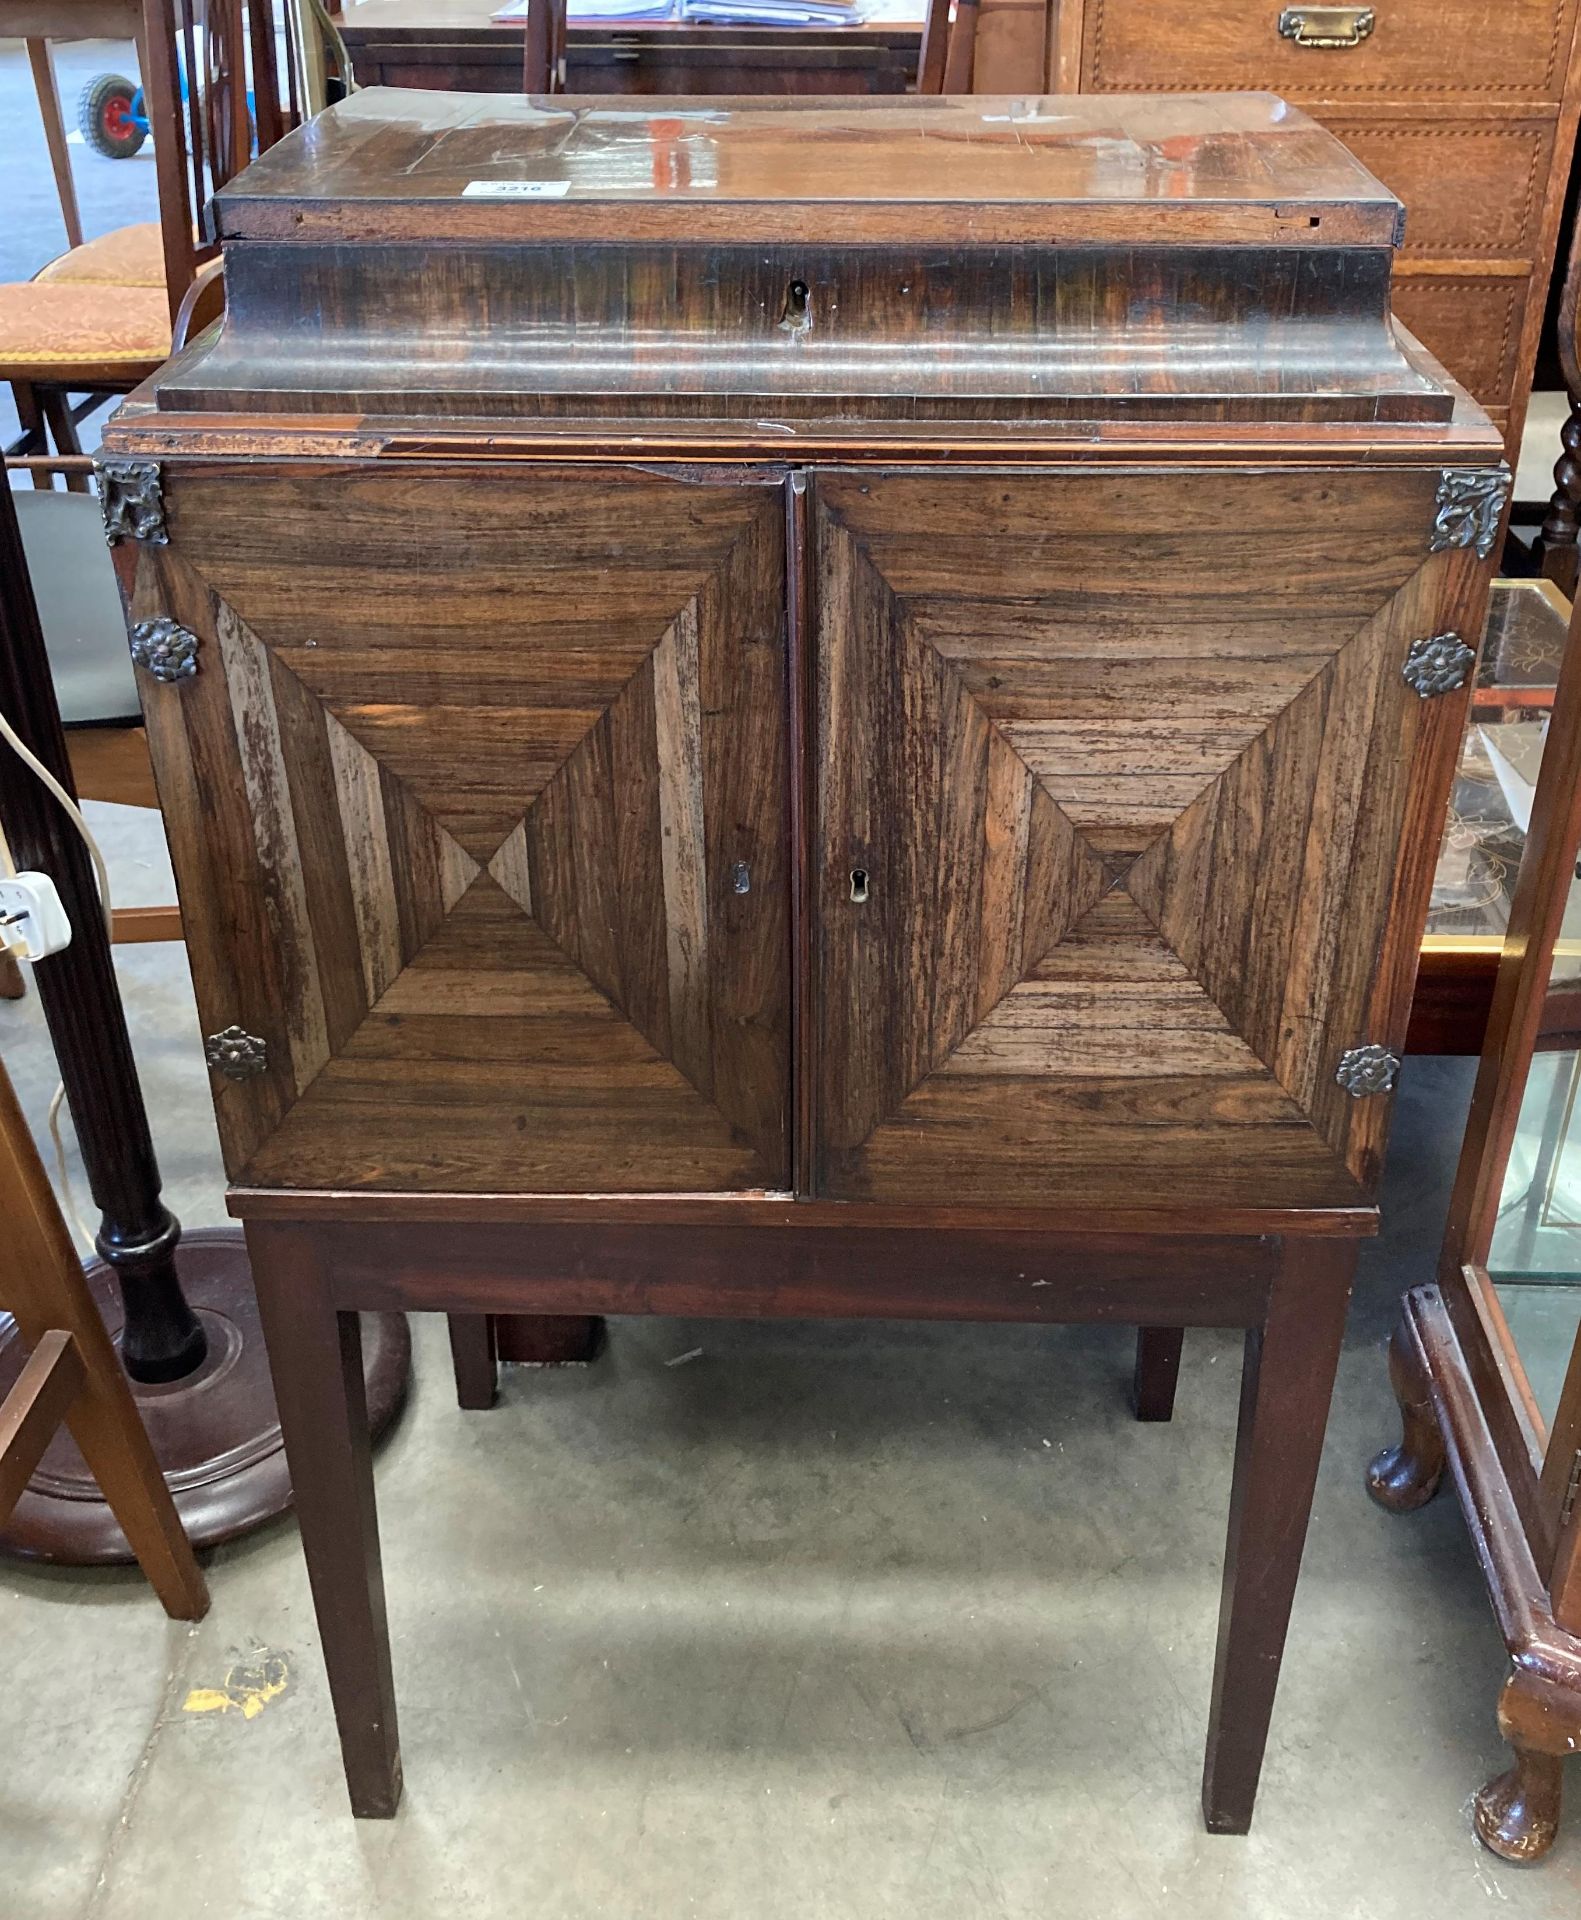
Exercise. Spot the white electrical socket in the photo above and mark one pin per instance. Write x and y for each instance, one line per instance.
(33, 923)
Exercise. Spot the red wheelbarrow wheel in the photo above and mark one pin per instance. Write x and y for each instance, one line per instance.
(104, 114)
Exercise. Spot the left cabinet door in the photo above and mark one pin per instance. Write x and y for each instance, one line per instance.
(477, 803)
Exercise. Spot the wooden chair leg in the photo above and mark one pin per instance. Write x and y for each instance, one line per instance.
(315, 1355)
(32, 1411)
(46, 1291)
(55, 405)
(475, 1359)
(1286, 1384)
(45, 87)
(30, 414)
(105, 1424)
(12, 984)
(1157, 1371)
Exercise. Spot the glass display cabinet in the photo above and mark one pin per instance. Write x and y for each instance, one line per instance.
(1486, 1363)
(1486, 828)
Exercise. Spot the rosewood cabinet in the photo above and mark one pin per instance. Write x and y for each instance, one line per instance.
(484, 811)
(824, 710)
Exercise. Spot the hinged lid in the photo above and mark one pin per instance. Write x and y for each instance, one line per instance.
(1208, 170)
(1217, 257)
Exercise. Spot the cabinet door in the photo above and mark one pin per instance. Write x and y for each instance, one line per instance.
(478, 810)
(1114, 790)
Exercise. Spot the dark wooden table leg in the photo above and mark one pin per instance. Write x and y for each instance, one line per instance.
(1157, 1370)
(475, 1359)
(1286, 1384)
(315, 1355)
(547, 1339)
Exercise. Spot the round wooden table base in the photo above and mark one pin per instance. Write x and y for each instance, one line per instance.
(215, 1433)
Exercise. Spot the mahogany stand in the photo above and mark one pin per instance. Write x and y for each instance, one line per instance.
(185, 1322)
(481, 1342)
(318, 1278)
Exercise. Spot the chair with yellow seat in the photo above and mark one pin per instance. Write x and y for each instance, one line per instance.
(59, 337)
(103, 316)
(126, 257)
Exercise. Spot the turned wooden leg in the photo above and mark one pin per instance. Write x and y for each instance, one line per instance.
(475, 1359)
(1286, 1384)
(315, 1355)
(1407, 1476)
(1157, 1370)
(1557, 543)
(1516, 1814)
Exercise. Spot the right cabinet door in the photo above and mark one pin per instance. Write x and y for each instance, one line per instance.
(1117, 777)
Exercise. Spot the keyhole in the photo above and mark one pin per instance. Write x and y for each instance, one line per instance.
(797, 316)
(859, 885)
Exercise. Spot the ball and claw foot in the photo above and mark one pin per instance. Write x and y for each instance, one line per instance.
(1405, 1477)
(1516, 1815)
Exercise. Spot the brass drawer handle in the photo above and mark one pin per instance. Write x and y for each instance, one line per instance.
(1326, 26)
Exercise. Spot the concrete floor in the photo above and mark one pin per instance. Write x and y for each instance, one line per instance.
(828, 1621)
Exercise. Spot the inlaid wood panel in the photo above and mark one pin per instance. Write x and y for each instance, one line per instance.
(1473, 189)
(1122, 766)
(479, 814)
(1472, 325)
(1415, 47)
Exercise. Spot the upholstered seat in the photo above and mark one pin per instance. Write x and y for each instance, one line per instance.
(128, 257)
(53, 332)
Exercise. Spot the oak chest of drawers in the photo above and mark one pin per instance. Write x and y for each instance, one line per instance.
(1466, 108)
(805, 710)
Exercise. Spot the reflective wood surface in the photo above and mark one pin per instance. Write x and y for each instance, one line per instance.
(864, 261)
(1209, 156)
